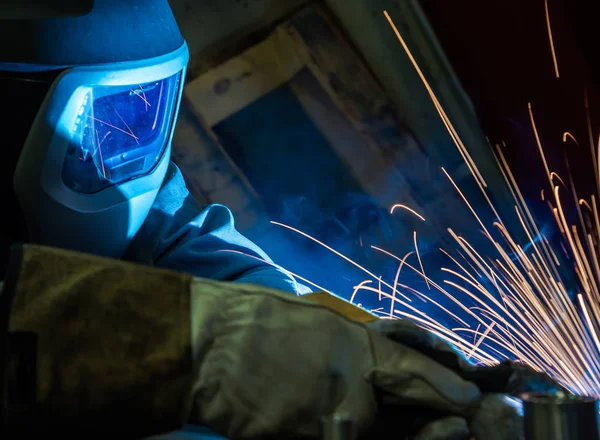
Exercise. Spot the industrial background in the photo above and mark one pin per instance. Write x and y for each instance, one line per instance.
(369, 147)
(311, 114)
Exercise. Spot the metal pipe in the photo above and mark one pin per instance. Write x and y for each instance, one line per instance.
(560, 416)
(338, 427)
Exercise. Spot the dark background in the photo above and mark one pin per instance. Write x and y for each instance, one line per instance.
(501, 53)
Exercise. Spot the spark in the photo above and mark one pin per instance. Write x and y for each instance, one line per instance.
(511, 302)
(595, 157)
(392, 304)
(159, 102)
(467, 202)
(126, 125)
(553, 175)
(445, 119)
(570, 136)
(101, 141)
(551, 39)
(358, 288)
(408, 209)
(128, 133)
(420, 262)
(140, 93)
(589, 321)
(100, 151)
(354, 263)
(539, 144)
(518, 298)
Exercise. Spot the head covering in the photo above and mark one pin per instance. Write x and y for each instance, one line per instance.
(93, 103)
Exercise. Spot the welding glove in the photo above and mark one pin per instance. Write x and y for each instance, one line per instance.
(494, 382)
(272, 364)
(507, 377)
(133, 350)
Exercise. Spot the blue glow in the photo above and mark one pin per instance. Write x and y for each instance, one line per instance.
(119, 134)
(517, 404)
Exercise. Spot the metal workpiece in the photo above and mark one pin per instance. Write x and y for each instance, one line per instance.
(338, 427)
(560, 417)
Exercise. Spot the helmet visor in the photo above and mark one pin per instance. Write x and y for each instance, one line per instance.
(120, 133)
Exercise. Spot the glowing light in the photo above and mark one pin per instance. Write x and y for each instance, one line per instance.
(99, 149)
(551, 39)
(419, 257)
(451, 130)
(128, 133)
(539, 144)
(339, 254)
(524, 308)
(514, 295)
(554, 175)
(407, 209)
(570, 136)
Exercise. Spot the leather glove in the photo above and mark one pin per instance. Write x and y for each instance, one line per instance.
(494, 382)
(92, 347)
(134, 350)
(272, 365)
(507, 377)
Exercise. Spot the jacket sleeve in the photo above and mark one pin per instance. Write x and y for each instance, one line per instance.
(179, 235)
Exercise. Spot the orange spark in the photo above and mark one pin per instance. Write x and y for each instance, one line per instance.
(570, 136)
(451, 130)
(408, 209)
(553, 174)
(539, 143)
(419, 257)
(339, 254)
(551, 39)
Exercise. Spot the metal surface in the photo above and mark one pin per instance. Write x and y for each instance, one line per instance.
(560, 417)
(217, 24)
(338, 427)
(365, 24)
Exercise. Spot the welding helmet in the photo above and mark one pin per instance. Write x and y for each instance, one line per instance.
(92, 99)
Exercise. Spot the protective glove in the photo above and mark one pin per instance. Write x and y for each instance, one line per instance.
(133, 350)
(92, 347)
(272, 365)
(408, 333)
(494, 382)
(507, 377)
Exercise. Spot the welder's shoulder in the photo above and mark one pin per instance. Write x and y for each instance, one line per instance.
(175, 200)
(205, 242)
(189, 433)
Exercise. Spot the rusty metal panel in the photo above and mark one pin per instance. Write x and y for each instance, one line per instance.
(350, 107)
(210, 175)
(344, 99)
(368, 29)
(226, 89)
(214, 25)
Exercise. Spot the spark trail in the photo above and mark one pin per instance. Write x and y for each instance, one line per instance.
(512, 304)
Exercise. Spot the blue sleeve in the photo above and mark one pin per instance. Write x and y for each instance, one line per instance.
(179, 235)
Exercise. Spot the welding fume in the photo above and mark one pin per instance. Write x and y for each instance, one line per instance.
(121, 314)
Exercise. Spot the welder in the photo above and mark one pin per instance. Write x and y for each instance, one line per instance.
(93, 103)
(95, 344)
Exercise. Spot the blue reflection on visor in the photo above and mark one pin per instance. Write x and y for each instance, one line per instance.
(120, 133)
